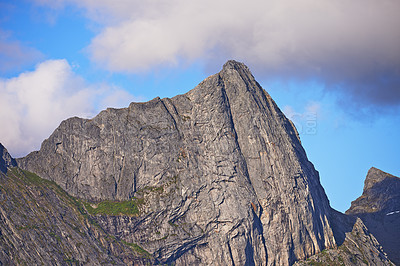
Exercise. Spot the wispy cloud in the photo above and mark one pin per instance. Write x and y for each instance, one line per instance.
(34, 103)
(306, 121)
(353, 47)
(14, 55)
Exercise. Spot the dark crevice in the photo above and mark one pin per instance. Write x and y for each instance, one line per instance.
(170, 114)
(230, 253)
(228, 107)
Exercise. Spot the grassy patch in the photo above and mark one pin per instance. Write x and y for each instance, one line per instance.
(316, 263)
(151, 189)
(33, 178)
(138, 249)
(108, 207)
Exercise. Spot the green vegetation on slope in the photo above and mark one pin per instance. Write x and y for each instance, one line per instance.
(29, 202)
(108, 207)
(138, 249)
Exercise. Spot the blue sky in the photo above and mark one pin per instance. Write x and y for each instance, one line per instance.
(332, 67)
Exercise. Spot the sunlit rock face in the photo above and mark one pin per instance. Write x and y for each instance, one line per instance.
(220, 173)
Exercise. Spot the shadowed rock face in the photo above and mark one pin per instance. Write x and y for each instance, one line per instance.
(221, 171)
(5, 160)
(379, 208)
(359, 247)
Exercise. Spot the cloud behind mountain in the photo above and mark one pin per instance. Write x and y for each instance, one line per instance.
(34, 103)
(352, 47)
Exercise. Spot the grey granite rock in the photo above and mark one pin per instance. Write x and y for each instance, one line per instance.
(379, 208)
(5, 159)
(360, 247)
(220, 172)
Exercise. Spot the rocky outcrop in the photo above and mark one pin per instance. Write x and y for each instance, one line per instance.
(40, 224)
(5, 160)
(360, 247)
(379, 208)
(219, 172)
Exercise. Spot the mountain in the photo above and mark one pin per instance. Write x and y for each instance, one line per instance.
(216, 176)
(379, 208)
(218, 169)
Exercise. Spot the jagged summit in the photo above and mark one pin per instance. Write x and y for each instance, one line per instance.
(379, 208)
(375, 176)
(237, 66)
(381, 193)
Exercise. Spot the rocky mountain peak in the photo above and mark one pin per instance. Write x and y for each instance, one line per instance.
(375, 176)
(216, 176)
(237, 75)
(226, 164)
(379, 208)
(236, 66)
(5, 159)
(381, 193)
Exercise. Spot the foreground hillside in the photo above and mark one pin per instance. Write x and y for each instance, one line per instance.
(41, 224)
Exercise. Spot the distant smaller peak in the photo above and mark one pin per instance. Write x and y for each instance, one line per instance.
(374, 176)
(375, 171)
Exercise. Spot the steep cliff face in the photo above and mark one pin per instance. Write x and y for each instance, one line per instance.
(379, 208)
(40, 224)
(219, 172)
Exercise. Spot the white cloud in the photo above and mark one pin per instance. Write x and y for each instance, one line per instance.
(33, 104)
(274, 33)
(352, 46)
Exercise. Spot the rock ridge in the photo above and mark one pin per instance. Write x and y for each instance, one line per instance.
(379, 208)
(220, 171)
(375, 176)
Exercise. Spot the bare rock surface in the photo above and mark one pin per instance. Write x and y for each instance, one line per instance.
(5, 159)
(360, 247)
(220, 173)
(379, 208)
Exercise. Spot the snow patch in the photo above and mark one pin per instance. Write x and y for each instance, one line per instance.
(390, 213)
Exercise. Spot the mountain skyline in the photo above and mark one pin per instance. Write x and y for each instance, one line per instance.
(332, 69)
(215, 176)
